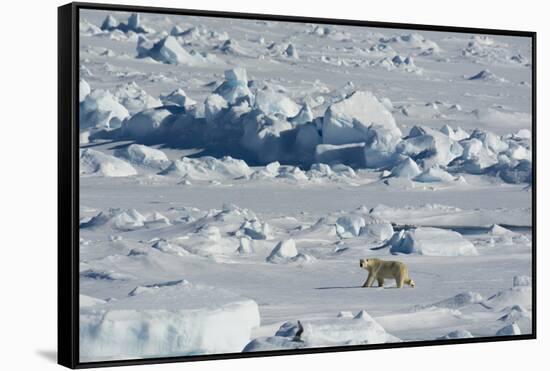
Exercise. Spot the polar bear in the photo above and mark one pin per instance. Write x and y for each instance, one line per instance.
(380, 269)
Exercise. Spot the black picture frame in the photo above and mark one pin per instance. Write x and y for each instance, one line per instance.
(68, 182)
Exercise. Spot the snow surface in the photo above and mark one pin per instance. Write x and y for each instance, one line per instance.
(231, 182)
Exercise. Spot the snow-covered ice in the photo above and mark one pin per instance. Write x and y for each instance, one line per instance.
(432, 241)
(229, 184)
(174, 318)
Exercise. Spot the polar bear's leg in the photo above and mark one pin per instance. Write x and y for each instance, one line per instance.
(399, 280)
(380, 282)
(369, 281)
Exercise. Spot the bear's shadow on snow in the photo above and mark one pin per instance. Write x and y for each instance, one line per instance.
(354, 287)
(338, 287)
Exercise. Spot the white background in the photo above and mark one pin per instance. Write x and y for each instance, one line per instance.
(28, 182)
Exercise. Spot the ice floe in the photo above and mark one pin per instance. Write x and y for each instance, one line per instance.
(210, 320)
(433, 242)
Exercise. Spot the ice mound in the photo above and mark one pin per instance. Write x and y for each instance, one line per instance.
(168, 248)
(522, 281)
(214, 108)
(520, 172)
(177, 97)
(322, 333)
(456, 302)
(88, 29)
(100, 109)
(206, 320)
(284, 49)
(88, 301)
(362, 118)
(483, 49)
(486, 75)
(167, 50)
(83, 90)
(150, 289)
(508, 157)
(189, 33)
(208, 168)
(133, 25)
(232, 47)
(352, 154)
(476, 157)
(145, 124)
(245, 246)
(96, 163)
(302, 259)
(377, 230)
(349, 226)
(429, 147)
(403, 61)
(518, 152)
(273, 343)
(134, 98)
(231, 220)
(235, 85)
(457, 134)
(291, 52)
(208, 242)
(109, 23)
(270, 170)
(292, 173)
(457, 334)
(95, 274)
(514, 313)
(497, 230)
(319, 170)
(413, 40)
(432, 242)
(142, 155)
(156, 219)
(523, 134)
(517, 295)
(434, 174)
(509, 330)
(490, 140)
(268, 137)
(272, 102)
(283, 252)
(321, 230)
(406, 169)
(255, 230)
(123, 220)
(426, 111)
(321, 30)
(304, 116)
(398, 62)
(518, 315)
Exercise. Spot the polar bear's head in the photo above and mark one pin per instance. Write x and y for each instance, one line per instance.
(368, 263)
